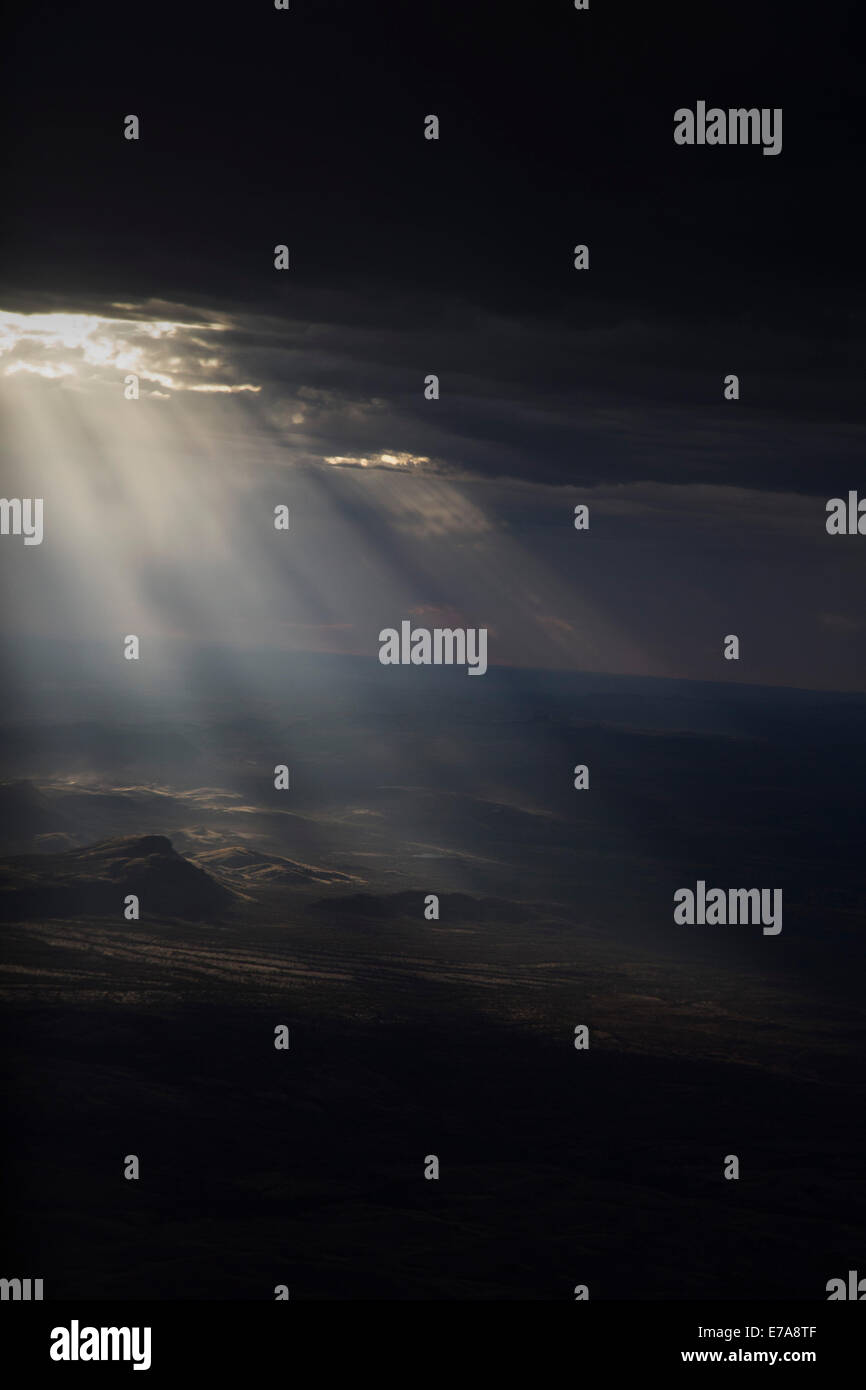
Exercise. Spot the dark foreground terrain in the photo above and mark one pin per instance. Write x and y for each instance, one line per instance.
(261, 1167)
(452, 1037)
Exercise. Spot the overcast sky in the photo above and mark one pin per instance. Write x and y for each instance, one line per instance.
(409, 257)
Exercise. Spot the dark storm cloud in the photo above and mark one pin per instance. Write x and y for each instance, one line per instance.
(455, 258)
(609, 404)
(306, 127)
(616, 402)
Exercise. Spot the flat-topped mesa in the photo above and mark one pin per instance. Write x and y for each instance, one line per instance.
(153, 844)
(98, 880)
(136, 846)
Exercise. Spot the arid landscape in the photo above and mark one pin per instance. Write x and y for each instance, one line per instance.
(453, 1037)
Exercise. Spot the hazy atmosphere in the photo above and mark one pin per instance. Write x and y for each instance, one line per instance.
(246, 471)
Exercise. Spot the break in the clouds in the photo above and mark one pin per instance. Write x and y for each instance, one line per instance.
(617, 401)
(94, 348)
(159, 512)
(379, 461)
